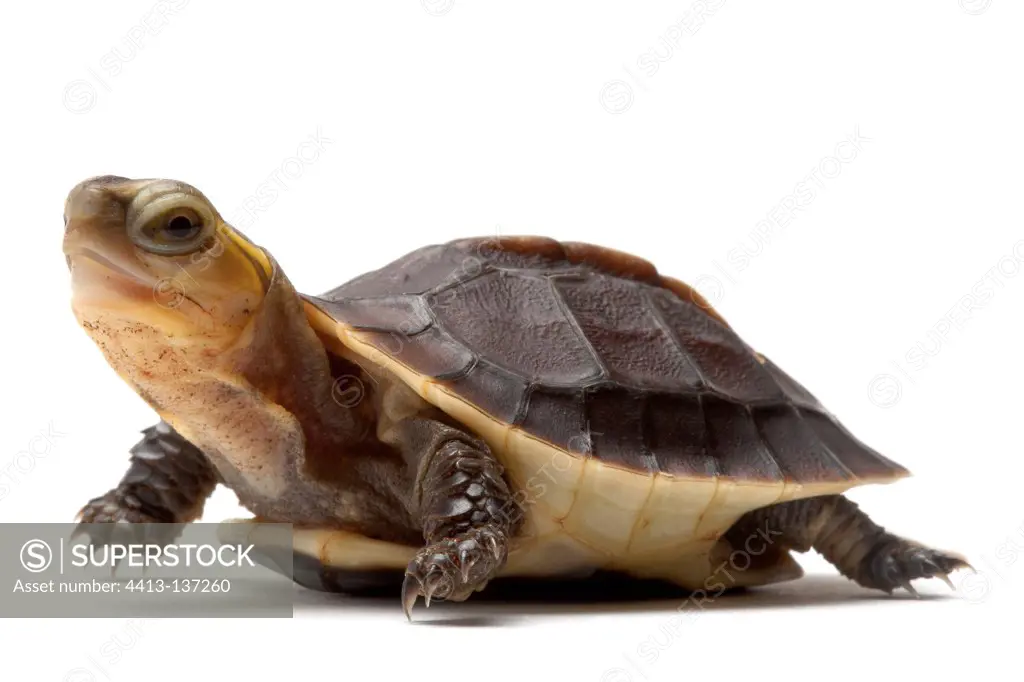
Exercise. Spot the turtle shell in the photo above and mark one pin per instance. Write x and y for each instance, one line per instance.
(634, 424)
(592, 351)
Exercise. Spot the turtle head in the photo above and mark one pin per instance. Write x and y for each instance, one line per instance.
(156, 255)
(201, 323)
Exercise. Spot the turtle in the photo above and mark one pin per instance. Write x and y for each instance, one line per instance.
(485, 408)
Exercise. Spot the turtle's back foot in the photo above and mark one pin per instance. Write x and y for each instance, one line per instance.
(894, 562)
(862, 550)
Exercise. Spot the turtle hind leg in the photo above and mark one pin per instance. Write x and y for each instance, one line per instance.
(859, 548)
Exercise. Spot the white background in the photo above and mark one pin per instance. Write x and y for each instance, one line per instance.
(671, 130)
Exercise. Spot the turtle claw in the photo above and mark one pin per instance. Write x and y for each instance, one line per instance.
(431, 586)
(410, 593)
(428, 588)
(897, 562)
(466, 560)
(496, 549)
(115, 519)
(453, 568)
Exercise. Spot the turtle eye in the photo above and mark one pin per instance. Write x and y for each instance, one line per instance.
(172, 225)
(180, 226)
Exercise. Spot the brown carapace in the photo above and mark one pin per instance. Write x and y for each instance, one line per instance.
(553, 339)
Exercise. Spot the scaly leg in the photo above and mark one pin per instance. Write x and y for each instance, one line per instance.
(168, 481)
(862, 550)
(466, 512)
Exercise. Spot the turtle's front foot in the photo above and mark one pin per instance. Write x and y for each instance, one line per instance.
(167, 482)
(455, 567)
(894, 562)
(112, 518)
(115, 508)
(468, 515)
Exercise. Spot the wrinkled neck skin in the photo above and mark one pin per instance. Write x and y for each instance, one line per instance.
(258, 403)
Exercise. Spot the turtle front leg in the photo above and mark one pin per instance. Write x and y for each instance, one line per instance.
(168, 481)
(466, 512)
(862, 550)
